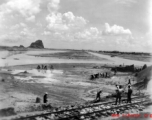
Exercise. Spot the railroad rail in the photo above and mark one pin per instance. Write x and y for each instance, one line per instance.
(104, 109)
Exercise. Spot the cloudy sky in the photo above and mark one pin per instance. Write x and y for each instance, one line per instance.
(124, 25)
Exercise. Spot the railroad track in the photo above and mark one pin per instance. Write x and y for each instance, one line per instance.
(104, 112)
(100, 109)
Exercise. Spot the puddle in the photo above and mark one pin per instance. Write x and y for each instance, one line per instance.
(81, 83)
(36, 76)
(23, 58)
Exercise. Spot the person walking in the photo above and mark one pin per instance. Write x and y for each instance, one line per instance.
(129, 94)
(45, 97)
(98, 95)
(42, 66)
(38, 67)
(117, 94)
(129, 82)
(106, 75)
(115, 71)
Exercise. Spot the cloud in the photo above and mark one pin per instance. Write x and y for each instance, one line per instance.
(11, 38)
(38, 24)
(13, 14)
(115, 30)
(27, 32)
(18, 26)
(51, 21)
(53, 5)
(46, 33)
(66, 21)
(55, 22)
(31, 18)
(126, 2)
(91, 33)
(26, 8)
(63, 26)
(74, 21)
(88, 34)
(23, 25)
(147, 41)
(18, 33)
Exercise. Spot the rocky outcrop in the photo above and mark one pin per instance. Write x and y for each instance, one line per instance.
(37, 44)
(21, 46)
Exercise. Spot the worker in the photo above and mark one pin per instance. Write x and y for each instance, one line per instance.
(38, 100)
(115, 71)
(129, 82)
(98, 95)
(42, 66)
(51, 67)
(129, 94)
(106, 75)
(103, 75)
(38, 67)
(45, 97)
(45, 67)
(119, 91)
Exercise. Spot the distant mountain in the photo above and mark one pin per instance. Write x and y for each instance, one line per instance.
(37, 44)
(13, 48)
(21, 46)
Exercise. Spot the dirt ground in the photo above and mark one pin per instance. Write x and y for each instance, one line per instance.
(66, 84)
(71, 86)
(73, 54)
(140, 57)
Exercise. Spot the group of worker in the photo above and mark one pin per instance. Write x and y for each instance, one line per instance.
(138, 69)
(119, 91)
(45, 98)
(44, 67)
(99, 75)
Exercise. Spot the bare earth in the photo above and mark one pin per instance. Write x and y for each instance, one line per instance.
(67, 83)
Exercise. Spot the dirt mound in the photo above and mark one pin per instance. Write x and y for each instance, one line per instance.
(7, 112)
(143, 78)
(146, 73)
(25, 73)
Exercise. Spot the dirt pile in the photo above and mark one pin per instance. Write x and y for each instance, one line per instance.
(7, 112)
(144, 73)
(143, 78)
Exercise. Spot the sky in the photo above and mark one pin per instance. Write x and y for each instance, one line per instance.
(124, 25)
